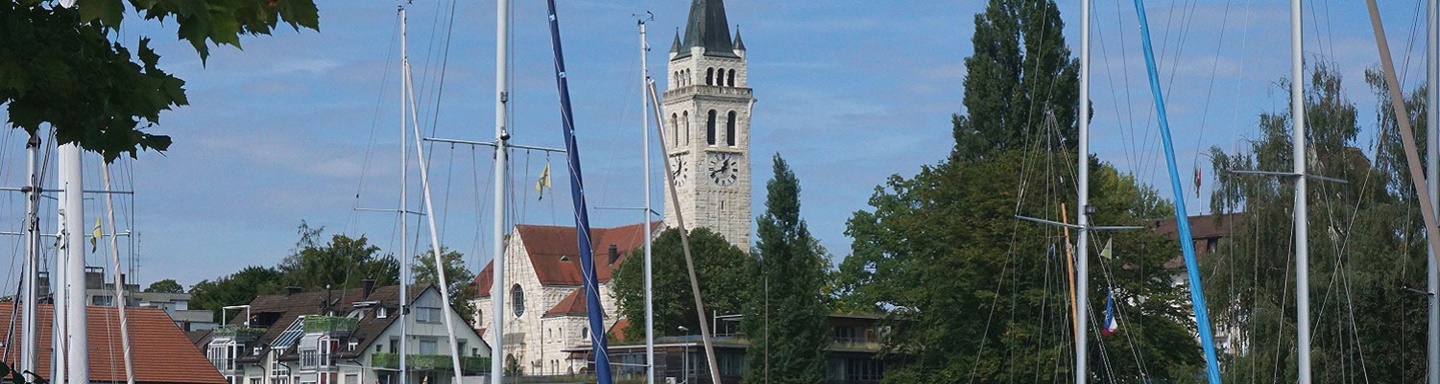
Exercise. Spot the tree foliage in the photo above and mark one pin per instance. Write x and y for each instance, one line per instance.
(342, 263)
(786, 319)
(1366, 245)
(460, 280)
(720, 266)
(235, 289)
(165, 286)
(969, 292)
(65, 67)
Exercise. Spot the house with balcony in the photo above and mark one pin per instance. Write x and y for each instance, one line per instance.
(348, 336)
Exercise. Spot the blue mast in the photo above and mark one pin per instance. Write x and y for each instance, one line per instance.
(582, 218)
(1182, 221)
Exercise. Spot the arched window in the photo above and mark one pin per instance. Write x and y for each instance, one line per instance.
(710, 76)
(685, 119)
(731, 79)
(674, 130)
(720, 77)
(710, 128)
(730, 129)
(517, 299)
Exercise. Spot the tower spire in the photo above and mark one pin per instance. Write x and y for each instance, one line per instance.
(739, 44)
(675, 47)
(708, 30)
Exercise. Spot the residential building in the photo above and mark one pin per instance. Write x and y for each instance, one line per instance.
(347, 336)
(99, 292)
(160, 352)
(707, 104)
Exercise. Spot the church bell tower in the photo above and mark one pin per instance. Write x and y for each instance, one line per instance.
(707, 102)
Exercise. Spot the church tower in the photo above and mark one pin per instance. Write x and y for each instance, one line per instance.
(708, 103)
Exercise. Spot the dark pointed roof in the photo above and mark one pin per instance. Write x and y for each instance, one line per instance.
(708, 29)
(739, 44)
(675, 47)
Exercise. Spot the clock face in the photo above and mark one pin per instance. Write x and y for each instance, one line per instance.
(680, 170)
(724, 168)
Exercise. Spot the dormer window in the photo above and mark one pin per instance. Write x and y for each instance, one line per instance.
(382, 312)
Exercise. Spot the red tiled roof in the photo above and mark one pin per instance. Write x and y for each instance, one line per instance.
(618, 330)
(160, 351)
(547, 244)
(572, 305)
(1201, 227)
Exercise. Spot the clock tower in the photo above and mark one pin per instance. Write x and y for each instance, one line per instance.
(707, 103)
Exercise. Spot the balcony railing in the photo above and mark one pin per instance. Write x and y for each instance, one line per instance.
(330, 324)
(235, 331)
(468, 364)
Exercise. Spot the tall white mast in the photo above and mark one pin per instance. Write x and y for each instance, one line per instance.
(72, 219)
(497, 263)
(645, 152)
(404, 209)
(30, 347)
(1432, 153)
(1082, 249)
(1302, 241)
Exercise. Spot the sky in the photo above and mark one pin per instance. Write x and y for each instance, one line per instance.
(304, 126)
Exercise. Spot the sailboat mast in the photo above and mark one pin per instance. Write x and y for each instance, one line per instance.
(72, 218)
(404, 206)
(497, 263)
(120, 299)
(1082, 254)
(30, 349)
(1432, 177)
(645, 178)
(1302, 241)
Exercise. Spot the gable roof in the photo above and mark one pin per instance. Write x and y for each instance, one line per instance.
(160, 351)
(574, 304)
(554, 253)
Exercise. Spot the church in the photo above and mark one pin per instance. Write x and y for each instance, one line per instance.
(707, 103)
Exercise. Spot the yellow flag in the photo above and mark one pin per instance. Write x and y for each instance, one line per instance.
(544, 181)
(95, 236)
(1106, 253)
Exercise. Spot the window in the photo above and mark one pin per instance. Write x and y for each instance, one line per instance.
(674, 130)
(685, 117)
(328, 347)
(394, 345)
(102, 300)
(351, 378)
(720, 77)
(710, 76)
(730, 129)
(517, 299)
(427, 346)
(255, 380)
(427, 314)
(730, 80)
(309, 358)
(710, 128)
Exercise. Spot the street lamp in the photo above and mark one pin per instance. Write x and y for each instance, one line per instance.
(685, 361)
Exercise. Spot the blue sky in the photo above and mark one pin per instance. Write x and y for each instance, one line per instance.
(296, 125)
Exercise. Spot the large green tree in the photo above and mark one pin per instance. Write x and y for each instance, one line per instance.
(341, 263)
(461, 288)
(1366, 245)
(786, 318)
(971, 293)
(66, 67)
(165, 286)
(1020, 75)
(721, 267)
(235, 289)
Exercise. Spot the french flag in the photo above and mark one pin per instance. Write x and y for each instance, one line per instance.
(1110, 326)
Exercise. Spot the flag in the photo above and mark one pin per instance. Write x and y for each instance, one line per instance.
(544, 181)
(1197, 182)
(1110, 326)
(1107, 253)
(95, 236)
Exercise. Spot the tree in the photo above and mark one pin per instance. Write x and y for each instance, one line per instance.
(970, 292)
(720, 266)
(786, 318)
(235, 289)
(1020, 75)
(165, 286)
(1367, 244)
(342, 263)
(461, 287)
(60, 66)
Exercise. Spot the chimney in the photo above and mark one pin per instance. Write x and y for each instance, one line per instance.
(367, 287)
(614, 253)
(291, 290)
